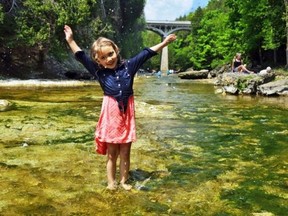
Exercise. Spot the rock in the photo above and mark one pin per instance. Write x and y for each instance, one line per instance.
(241, 83)
(5, 105)
(219, 91)
(191, 74)
(230, 89)
(279, 87)
(25, 145)
(220, 70)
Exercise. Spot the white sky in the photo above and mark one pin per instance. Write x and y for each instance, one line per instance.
(170, 9)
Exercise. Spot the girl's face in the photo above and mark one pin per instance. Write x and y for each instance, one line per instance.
(107, 57)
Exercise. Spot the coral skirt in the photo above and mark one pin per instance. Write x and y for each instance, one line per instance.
(114, 126)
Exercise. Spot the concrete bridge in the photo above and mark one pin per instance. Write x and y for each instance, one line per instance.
(164, 28)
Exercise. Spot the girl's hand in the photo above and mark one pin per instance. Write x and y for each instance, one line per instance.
(68, 33)
(170, 38)
(69, 38)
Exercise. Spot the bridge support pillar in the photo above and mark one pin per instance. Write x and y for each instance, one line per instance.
(164, 28)
(164, 60)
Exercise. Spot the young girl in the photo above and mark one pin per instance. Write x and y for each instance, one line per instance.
(238, 66)
(115, 130)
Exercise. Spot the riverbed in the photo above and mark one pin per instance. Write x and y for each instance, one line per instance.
(197, 152)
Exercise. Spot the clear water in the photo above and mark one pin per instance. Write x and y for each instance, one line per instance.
(197, 153)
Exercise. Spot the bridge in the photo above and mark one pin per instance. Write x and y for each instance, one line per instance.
(164, 28)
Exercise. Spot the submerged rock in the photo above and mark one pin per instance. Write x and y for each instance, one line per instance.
(5, 105)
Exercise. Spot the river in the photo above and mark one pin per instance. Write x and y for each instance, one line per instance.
(197, 152)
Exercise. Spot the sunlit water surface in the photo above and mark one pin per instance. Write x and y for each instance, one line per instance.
(197, 153)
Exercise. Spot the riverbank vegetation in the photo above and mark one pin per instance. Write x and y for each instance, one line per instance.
(31, 33)
(254, 28)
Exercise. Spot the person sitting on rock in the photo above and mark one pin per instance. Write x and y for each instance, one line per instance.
(265, 71)
(238, 66)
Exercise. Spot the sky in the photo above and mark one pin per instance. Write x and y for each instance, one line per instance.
(171, 9)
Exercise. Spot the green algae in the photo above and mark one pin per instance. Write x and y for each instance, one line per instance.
(197, 153)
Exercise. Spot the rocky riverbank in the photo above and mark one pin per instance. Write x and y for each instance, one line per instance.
(267, 83)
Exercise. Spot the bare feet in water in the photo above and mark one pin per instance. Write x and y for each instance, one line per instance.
(112, 186)
(126, 186)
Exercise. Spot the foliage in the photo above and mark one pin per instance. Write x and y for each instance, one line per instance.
(256, 28)
(253, 27)
(150, 38)
(39, 23)
(1, 14)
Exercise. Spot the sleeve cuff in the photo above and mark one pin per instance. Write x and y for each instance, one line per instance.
(79, 54)
(152, 52)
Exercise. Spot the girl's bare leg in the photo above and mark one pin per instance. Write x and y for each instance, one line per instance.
(112, 155)
(125, 165)
(243, 69)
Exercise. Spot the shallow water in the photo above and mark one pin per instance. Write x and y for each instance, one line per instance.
(197, 153)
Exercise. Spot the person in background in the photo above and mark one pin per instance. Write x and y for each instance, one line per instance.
(115, 130)
(238, 66)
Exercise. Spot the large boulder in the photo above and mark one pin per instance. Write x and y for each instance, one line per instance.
(242, 83)
(191, 74)
(279, 87)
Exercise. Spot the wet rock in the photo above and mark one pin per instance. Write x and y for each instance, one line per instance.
(279, 87)
(191, 74)
(230, 89)
(5, 105)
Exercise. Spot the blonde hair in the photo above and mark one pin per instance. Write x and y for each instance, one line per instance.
(237, 55)
(98, 44)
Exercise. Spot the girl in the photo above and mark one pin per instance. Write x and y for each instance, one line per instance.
(115, 130)
(238, 66)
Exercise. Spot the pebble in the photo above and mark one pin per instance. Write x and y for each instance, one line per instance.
(25, 145)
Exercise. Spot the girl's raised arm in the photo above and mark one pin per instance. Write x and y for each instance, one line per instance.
(158, 47)
(69, 38)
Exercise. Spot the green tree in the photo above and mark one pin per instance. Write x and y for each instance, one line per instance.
(149, 39)
(1, 14)
(286, 20)
(36, 26)
(257, 25)
(210, 41)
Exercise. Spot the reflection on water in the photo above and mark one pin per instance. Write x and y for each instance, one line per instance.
(197, 153)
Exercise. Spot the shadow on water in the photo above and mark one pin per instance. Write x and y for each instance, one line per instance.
(197, 153)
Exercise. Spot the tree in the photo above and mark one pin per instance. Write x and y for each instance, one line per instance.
(35, 29)
(1, 14)
(286, 19)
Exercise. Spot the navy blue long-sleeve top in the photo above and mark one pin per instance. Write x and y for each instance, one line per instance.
(118, 82)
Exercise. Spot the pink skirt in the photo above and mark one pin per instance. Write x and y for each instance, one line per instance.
(115, 126)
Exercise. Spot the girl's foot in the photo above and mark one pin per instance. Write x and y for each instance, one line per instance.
(126, 186)
(112, 186)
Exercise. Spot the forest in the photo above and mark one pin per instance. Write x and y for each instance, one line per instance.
(31, 32)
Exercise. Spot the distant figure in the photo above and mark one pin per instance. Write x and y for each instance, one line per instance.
(238, 66)
(265, 71)
(159, 73)
(115, 130)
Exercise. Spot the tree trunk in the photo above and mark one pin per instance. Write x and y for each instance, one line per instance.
(103, 9)
(275, 56)
(260, 56)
